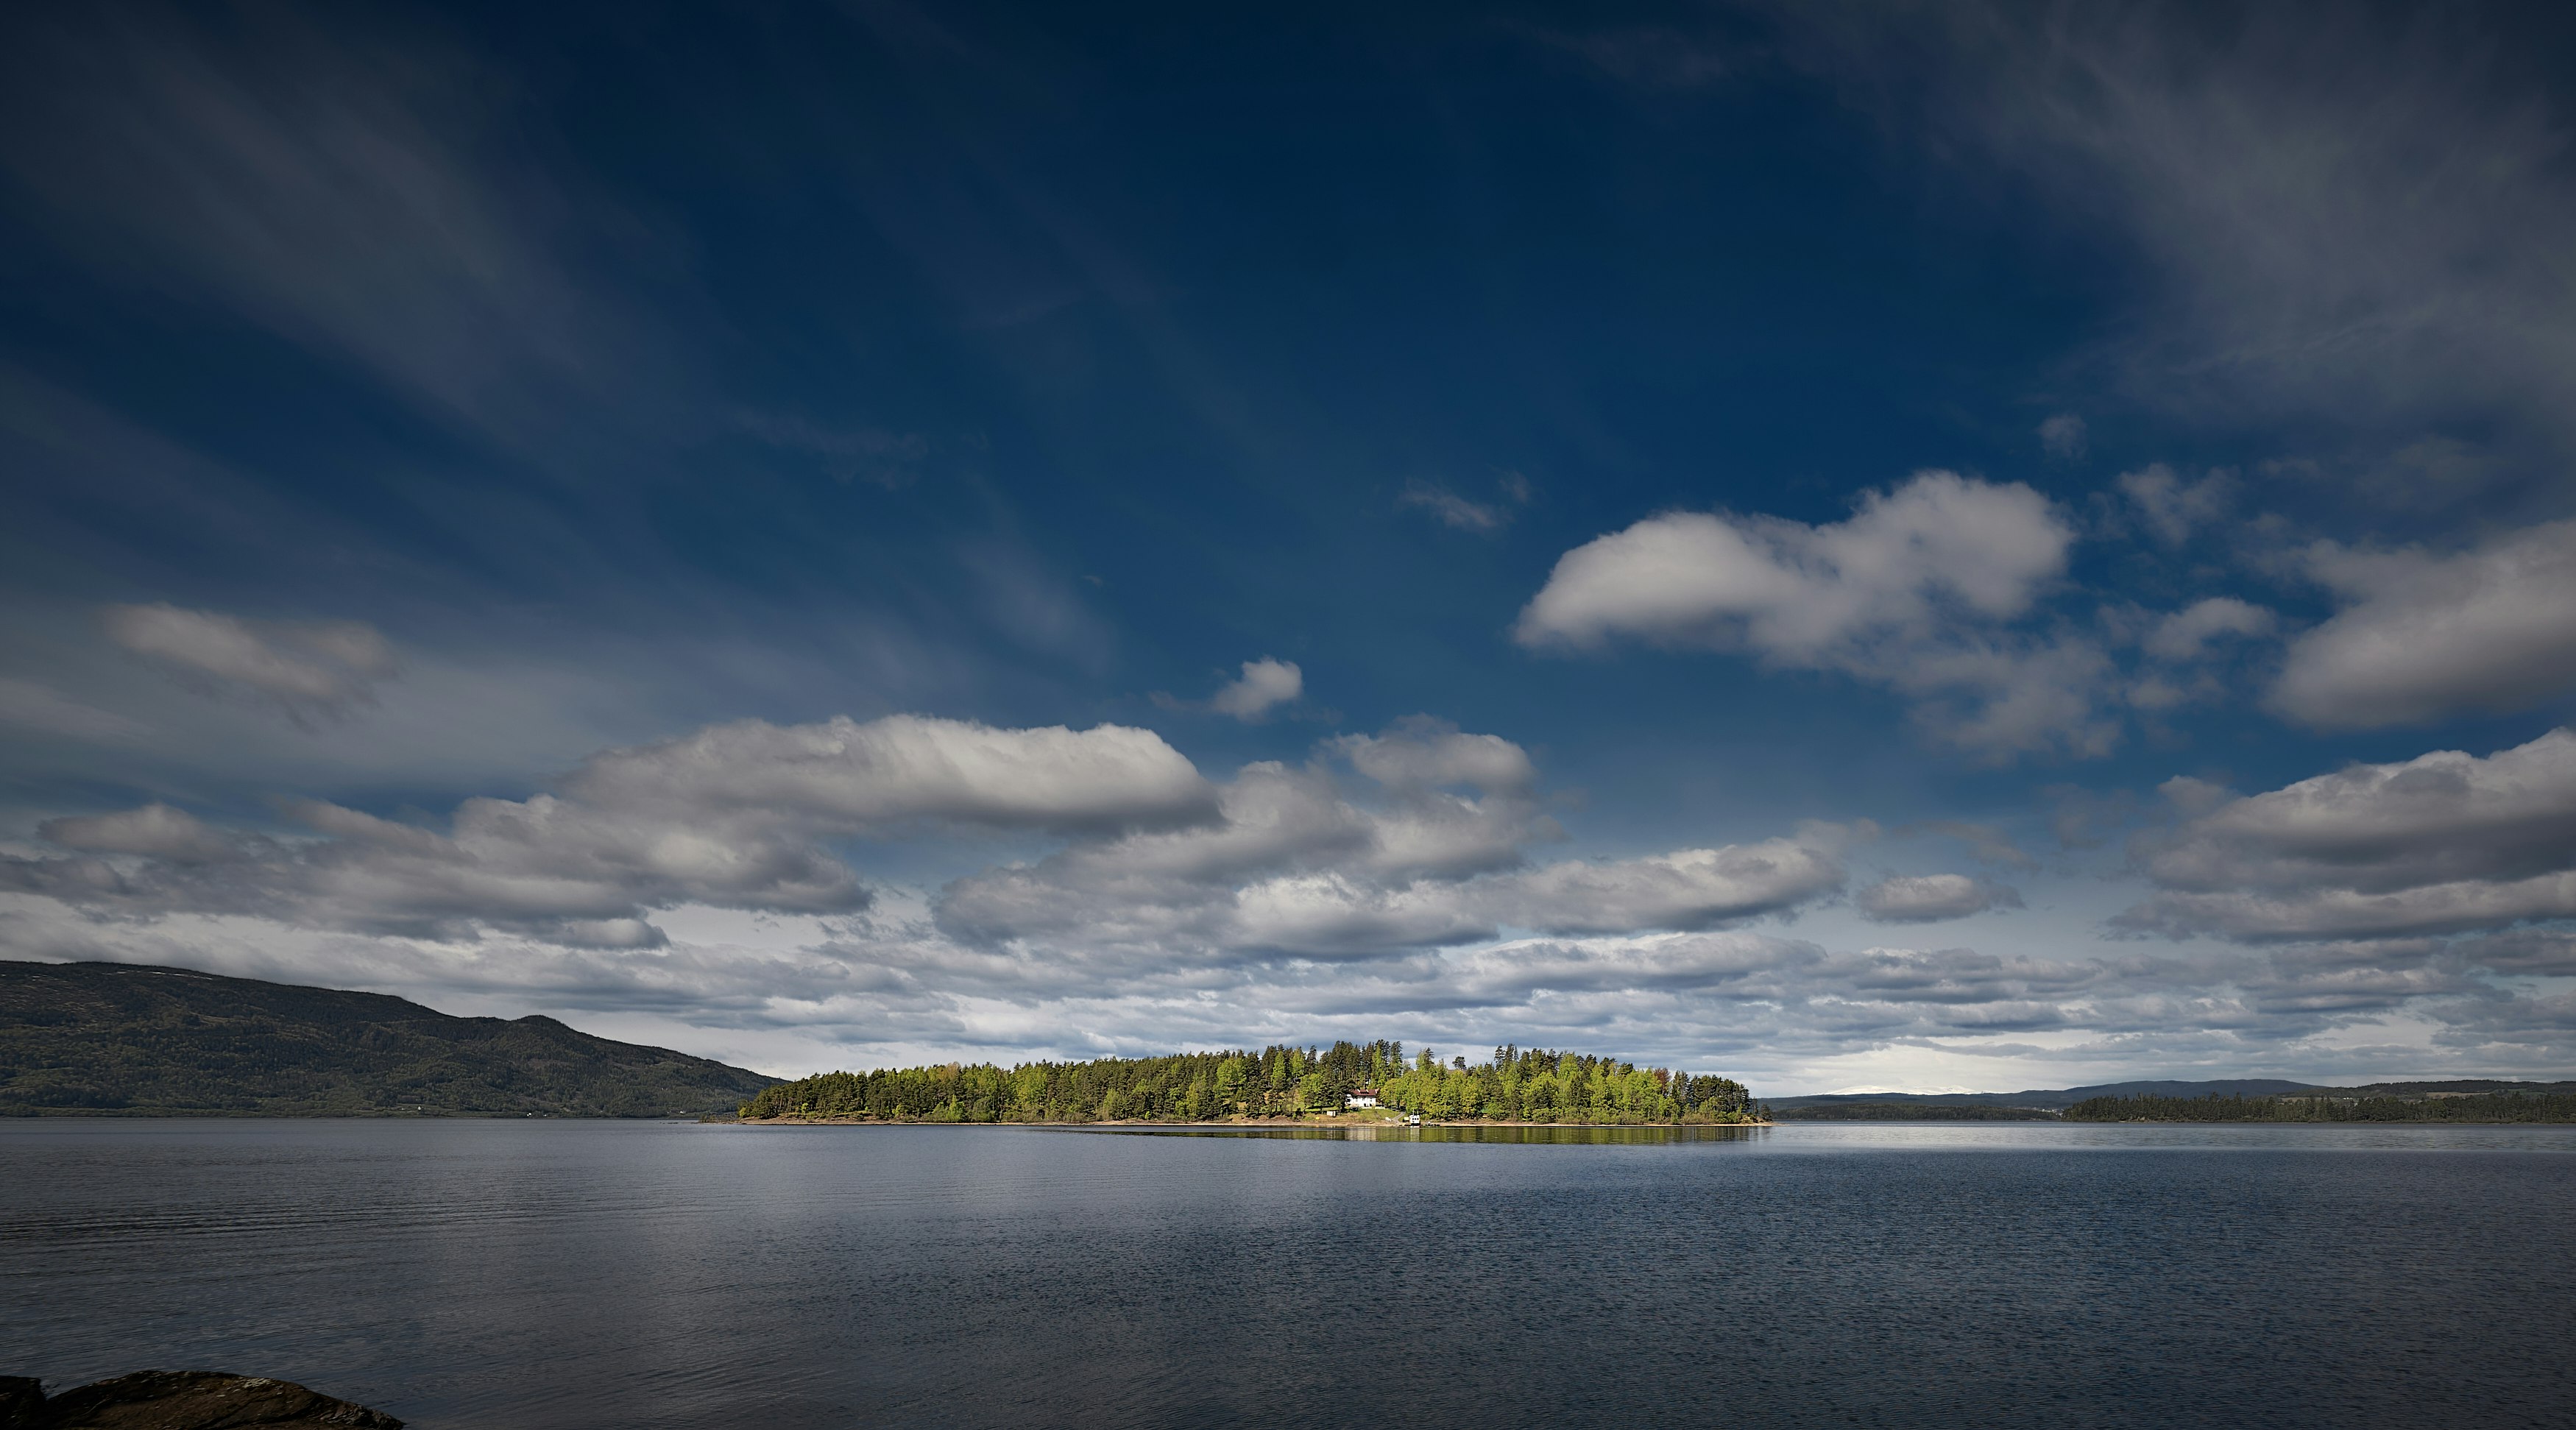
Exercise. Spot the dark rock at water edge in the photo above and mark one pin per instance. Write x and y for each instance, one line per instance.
(91, 1039)
(180, 1400)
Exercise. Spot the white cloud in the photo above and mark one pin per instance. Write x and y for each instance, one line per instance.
(2424, 636)
(1801, 593)
(1910, 592)
(2330, 913)
(881, 774)
(1295, 865)
(2062, 436)
(732, 816)
(1932, 898)
(305, 669)
(2185, 634)
(1264, 686)
(1422, 753)
(1686, 889)
(2002, 696)
(2446, 842)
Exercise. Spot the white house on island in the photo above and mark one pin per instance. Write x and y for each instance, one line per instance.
(1360, 1097)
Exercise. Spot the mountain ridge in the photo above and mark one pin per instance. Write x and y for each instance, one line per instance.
(2062, 1098)
(122, 1039)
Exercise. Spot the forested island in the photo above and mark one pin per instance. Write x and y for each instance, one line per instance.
(2457, 1107)
(1516, 1085)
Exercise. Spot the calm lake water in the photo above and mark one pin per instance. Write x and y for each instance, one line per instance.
(538, 1274)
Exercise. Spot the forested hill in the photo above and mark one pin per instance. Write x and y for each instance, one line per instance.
(2547, 1103)
(2057, 1099)
(1517, 1085)
(1909, 1112)
(94, 1038)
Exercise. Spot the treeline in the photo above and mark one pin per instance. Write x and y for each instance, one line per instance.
(2489, 1107)
(1910, 1112)
(1516, 1085)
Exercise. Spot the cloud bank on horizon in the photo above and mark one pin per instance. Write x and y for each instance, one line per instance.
(2059, 563)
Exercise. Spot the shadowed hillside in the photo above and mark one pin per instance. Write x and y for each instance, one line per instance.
(93, 1038)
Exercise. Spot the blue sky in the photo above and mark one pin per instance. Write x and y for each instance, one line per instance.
(1970, 547)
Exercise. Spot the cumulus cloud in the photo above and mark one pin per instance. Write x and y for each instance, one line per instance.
(733, 816)
(2443, 843)
(1264, 686)
(1436, 855)
(304, 669)
(1384, 850)
(1932, 898)
(1799, 592)
(1911, 592)
(1422, 753)
(873, 776)
(2424, 636)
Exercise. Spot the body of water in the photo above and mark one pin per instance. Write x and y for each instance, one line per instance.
(541, 1274)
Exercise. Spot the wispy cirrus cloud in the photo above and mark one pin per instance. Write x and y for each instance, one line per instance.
(305, 669)
(1484, 518)
(371, 194)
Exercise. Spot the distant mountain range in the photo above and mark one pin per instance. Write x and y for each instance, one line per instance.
(2059, 1099)
(127, 1039)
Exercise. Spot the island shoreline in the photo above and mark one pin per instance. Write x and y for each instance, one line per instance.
(1245, 1125)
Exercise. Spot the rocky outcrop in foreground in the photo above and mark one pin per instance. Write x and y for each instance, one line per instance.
(180, 1400)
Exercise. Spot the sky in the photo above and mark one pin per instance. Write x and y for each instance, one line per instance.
(1873, 547)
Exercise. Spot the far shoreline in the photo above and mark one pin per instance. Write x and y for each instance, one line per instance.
(1243, 1125)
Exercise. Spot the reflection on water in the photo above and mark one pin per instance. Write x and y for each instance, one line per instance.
(1514, 1136)
(537, 1275)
